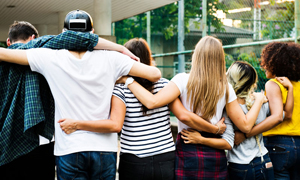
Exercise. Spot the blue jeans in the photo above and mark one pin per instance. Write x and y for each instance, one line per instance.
(285, 154)
(255, 170)
(91, 165)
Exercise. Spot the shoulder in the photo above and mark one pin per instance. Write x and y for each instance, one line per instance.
(273, 86)
(180, 77)
(273, 83)
(43, 52)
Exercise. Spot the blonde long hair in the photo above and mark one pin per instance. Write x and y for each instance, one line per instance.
(243, 78)
(207, 81)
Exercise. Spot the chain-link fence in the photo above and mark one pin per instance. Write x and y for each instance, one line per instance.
(243, 26)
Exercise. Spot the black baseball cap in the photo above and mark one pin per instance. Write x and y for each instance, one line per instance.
(78, 20)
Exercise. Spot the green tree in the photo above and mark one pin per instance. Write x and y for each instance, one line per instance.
(3, 44)
(164, 20)
(280, 23)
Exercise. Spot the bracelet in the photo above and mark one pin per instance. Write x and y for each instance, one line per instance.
(218, 129)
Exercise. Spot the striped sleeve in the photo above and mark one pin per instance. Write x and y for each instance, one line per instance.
(119, 92)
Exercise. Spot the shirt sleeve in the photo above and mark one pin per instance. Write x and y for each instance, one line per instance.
(232, 95)
(119, 92)
(39, 59)
(228, 135)
(179, 81)
(71, 40)
(122, 63)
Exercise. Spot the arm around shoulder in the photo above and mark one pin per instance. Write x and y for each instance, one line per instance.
(151, 73)
(13, 56)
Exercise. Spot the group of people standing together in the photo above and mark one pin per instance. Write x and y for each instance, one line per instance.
(217, 110)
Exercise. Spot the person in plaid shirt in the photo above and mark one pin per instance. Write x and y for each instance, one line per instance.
(81, 83)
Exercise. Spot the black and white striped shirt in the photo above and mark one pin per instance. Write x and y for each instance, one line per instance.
(144, 135)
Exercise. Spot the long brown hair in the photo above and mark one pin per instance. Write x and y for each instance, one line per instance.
(140, 48)
(207, 81)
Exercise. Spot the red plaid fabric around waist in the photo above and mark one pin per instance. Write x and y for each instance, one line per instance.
(196, 161)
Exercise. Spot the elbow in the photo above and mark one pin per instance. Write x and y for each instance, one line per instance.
(288, 116)
(151, 105)
(246, 129)
(116, 128)
(156, 75)
(278, 117)
(228, 147)
(183, 118)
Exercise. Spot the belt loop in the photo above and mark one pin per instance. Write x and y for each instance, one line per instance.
(293, 140)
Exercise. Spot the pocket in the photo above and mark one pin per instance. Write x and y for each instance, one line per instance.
(131, 171)
(239, 174)
(67, 166)
(279, 156)
(167, 169)
(268, 173)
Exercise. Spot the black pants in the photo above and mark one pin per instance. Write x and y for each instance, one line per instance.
(158, 167)
(39, 164)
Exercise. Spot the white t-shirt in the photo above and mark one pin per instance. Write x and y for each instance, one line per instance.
(181, 81)
(82, 89)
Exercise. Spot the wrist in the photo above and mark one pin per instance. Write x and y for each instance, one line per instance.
(217, 128)
(201, 140)
(128, 81)
(76, 125)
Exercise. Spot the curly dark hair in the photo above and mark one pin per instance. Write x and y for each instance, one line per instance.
(282, 59)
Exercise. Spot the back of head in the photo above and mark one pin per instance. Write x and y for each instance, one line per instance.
(140, 48)
(78, 20)
(207, 81)
(282, 59)
(243, 78)
(21, 30)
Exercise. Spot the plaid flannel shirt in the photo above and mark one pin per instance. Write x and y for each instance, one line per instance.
(27, 106)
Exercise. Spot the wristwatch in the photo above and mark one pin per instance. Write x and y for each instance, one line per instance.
(128, 81)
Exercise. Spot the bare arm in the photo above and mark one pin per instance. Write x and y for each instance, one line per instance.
(238, 117)
(151, 73)
(108, 45)
(165, 96)
(194, 137)
(276, 107)
(114, 124)
(193, 120)
(13, 56)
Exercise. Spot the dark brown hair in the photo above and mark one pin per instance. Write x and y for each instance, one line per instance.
(21, 30)
(282, 59)
(140, 48)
